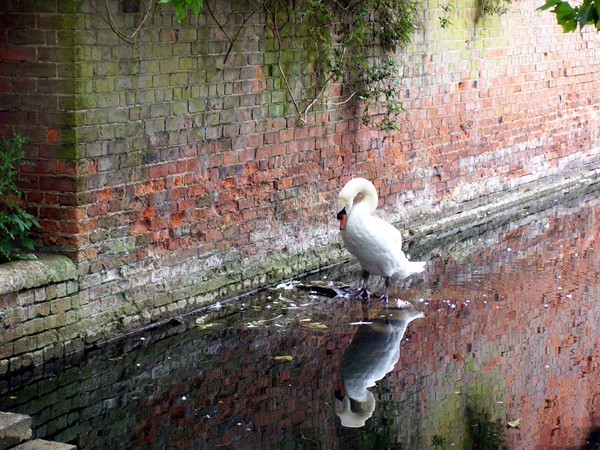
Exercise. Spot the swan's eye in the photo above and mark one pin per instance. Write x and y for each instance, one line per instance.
(341, 214)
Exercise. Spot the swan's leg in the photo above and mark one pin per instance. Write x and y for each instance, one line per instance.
(384, 297)
(364, 292)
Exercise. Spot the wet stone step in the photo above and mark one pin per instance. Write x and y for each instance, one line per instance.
(41, 444)
(14, 428)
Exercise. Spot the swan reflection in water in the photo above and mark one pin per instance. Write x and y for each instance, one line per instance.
(372, 354)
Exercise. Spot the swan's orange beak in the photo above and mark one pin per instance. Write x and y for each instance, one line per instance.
(342, 217)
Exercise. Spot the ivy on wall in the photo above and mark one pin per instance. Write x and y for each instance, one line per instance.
(354, 44)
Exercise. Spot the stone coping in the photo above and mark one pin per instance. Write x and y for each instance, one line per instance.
(18, 275)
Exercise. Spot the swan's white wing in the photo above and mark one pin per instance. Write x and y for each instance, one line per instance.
(375, 243)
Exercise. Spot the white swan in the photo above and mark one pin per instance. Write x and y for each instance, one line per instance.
(375, 243)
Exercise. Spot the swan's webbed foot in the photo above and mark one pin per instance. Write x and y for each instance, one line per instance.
(364, 294)
(384, 297)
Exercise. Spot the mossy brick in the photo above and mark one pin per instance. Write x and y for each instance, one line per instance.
(276, 111)
(138, 143)
(197, 79)
(33, 326)
(56, 290)
(105, 84)
(108, 163)
(39, 294)
(67, 103)
(46, 338)
(156, 51)
(67, 136)
(26, 37)
(159, 110)
(174, 123)
(39, 102)
(38, 310)
(150, 66)
(189, 63)
(6, 351)
(279, 96)
(96, 116)
(87, 133)
(131, 160)
(60, 151)
(61, 119)
(231, 102)
(228, 116)
(118, 115)
(124, 83)
(24, 345)
(160, 81)
(195, 106)
(128, 67)
(178, 79)
(60, 305)
(72, 287)
(68, 6)
(213, 118)
(144, 96)
(182, 49)
(26, 297)
(178, 108)
(57, 54)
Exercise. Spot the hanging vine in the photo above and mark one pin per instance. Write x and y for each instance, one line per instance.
(351, 42)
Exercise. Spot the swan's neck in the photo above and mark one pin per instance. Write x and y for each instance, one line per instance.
(359, 196)
(363, 206)
(367, 200)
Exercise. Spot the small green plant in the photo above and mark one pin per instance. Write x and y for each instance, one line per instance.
(15, 222)
(486, 8)
(445, 20)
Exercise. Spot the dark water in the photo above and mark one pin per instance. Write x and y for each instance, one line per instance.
(497, 347)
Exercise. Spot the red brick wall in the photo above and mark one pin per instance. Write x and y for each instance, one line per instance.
(173, 177)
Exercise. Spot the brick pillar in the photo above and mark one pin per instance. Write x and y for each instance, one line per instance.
(37, 98)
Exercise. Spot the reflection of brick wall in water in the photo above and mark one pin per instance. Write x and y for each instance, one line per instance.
(163, 169)
(526, 350)
(536, 337)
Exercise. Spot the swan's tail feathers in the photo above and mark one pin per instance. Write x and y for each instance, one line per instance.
(416, 266)
(407, 268)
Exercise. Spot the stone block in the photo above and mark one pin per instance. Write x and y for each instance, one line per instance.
(41, 444)
(14, 429)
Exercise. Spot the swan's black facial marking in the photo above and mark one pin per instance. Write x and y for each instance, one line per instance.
(342, 216)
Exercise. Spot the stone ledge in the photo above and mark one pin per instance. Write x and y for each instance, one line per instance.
(18, 275)
(14, 428)
(41, 444)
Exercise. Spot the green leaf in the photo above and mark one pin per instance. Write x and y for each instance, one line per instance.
(195, 5)
(564, 12)
(180, 7)
(549, 4)
(569, 26)
(583, 15)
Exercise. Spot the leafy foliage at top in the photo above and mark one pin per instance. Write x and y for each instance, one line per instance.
(571, 17)
(15, 222)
